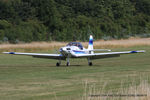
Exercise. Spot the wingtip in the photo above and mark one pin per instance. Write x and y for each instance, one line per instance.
(139, 51)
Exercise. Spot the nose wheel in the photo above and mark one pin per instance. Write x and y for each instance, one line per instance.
(68, 64)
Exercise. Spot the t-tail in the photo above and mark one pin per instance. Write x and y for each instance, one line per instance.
(90, 46)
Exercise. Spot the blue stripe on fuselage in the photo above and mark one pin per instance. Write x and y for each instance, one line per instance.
(79, 52)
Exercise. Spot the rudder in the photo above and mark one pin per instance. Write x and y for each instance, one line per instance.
(90, 46)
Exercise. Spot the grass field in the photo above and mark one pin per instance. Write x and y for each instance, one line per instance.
(27, 78)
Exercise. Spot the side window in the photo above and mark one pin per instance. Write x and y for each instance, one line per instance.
(80, 46)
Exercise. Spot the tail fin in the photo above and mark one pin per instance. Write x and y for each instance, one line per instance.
(90, 46)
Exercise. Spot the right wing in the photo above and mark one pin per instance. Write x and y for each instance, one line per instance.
(105, 55)
(39, 55)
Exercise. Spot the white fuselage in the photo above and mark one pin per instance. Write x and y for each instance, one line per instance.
(72, 50)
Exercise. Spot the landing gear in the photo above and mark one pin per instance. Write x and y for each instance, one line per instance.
(58, 63)
(90, 62)
(68, 63)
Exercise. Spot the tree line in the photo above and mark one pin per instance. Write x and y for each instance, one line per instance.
(67, 20)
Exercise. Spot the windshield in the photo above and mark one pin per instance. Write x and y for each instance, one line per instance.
(78, 44)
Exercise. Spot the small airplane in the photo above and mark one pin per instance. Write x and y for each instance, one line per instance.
(76, 50)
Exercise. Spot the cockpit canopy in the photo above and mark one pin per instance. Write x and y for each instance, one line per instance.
(78, 44)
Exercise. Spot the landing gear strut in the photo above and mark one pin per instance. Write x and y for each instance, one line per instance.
(68, 63)
(89, 62)
(58, 63)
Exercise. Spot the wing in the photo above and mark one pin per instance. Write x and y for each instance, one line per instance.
(39, 55)
(105, 55)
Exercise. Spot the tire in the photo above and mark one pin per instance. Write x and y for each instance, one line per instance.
(90, 64)
(57, 64)
(68, 64)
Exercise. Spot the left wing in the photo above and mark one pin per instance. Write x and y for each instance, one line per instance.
(105, 55)
(39, 55)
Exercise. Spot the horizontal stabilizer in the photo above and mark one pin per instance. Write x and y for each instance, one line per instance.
(100, 50)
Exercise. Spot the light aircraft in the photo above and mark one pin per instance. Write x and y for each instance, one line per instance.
(76, 50)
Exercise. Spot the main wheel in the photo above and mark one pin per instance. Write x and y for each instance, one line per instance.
(57, 64)
(90, 64)
(68, 64)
